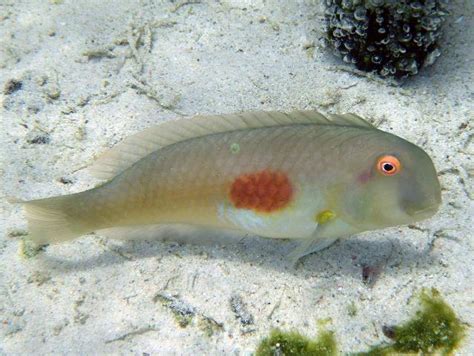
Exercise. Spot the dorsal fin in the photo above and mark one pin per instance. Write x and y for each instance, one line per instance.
(138, 146)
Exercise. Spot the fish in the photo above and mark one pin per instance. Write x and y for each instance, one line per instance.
(297, 175)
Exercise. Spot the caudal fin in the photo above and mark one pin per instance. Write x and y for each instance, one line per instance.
(50, 220)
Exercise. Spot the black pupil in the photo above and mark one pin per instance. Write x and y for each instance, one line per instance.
(387, 167)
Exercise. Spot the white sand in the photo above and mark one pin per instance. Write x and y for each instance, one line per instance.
(93, 72)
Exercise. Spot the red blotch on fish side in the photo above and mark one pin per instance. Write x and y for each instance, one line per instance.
(263, 191)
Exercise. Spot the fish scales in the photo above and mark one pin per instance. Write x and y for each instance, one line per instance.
(160, 191)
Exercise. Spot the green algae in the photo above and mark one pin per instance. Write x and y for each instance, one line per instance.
(209, 326)
(352, 309)
(29, 249)
(185, 314)
(434, 328)
(182, 312)
(293, 343)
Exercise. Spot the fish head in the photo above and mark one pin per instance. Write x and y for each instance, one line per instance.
(394, 182)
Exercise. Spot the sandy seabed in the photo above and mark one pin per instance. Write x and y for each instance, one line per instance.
(79, 76)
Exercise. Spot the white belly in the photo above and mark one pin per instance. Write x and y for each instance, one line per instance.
(295, 221)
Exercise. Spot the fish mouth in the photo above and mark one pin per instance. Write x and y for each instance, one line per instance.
(420, 206)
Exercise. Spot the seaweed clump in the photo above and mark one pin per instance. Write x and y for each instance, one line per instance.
(393, 38)
(434, 328)
(27, 248)
(183, 312)
(293, 343)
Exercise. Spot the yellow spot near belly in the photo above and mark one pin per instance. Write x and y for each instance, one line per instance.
(324, 216)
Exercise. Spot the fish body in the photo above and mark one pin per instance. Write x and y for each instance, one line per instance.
(297, 175)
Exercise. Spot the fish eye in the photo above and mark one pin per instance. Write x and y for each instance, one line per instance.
(388, 165)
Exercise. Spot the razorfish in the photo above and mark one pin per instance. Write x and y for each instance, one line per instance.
(298, 175)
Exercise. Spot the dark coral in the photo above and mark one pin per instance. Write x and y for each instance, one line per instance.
(393, 38)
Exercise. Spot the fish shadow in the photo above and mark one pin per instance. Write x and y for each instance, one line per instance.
(389, 254)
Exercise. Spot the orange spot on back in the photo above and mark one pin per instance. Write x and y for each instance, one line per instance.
(263, 191)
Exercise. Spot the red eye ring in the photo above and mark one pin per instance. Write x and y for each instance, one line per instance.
(388, 165)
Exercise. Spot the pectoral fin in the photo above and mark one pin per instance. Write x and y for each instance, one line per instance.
(309, 245)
